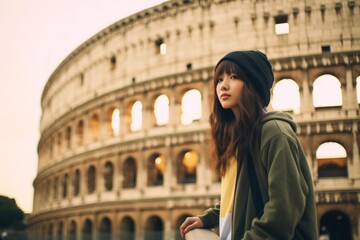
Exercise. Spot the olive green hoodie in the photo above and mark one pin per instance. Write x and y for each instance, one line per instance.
(286, 187)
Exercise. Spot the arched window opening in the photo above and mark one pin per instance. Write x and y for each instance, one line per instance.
(179, 221)
(72, 231)
(161, 110)
(50, 231)
(87, 230)
(48, 189)
(358, 89)
(286, 96)
(327, 91)
(91, 179)
(52, 143)
(186, 167)
(112, 62)
(94, 126)
(105, 229)
(156, 170)
(68, 137)
(127, 229)
(58, 141)
(55, 187)
(60, 230)
(65, 185)
(331, 159)
(80, 132)
(136, 116)
(115, 122)
(336, 225)
(76, 183)
(154, 228)
(108, 176)
(129, 173)
(191, 107)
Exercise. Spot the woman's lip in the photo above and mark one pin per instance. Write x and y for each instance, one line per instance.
(224, 96)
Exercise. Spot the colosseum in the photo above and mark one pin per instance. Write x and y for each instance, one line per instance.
(123, 152)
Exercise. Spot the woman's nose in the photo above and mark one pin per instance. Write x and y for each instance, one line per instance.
(224, 85)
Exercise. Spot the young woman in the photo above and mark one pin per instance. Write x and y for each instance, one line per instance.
(243, 131)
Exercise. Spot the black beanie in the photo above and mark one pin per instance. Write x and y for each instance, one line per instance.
(257, 69)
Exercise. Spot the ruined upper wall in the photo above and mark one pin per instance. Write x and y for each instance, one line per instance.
(197, 34)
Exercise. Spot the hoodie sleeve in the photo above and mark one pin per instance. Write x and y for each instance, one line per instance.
(210, 218)
(287, 190)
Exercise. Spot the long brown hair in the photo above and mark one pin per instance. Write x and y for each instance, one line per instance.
(231, 135)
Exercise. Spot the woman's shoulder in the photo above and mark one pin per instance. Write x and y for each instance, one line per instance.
(278, 124)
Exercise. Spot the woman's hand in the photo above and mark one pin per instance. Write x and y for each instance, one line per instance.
(189, 224)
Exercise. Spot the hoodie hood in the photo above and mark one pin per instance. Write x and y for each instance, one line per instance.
(282, 116)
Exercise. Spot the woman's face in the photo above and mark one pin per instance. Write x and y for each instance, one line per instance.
(229, 88)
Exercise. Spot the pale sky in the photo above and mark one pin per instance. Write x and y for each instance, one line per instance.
(36, 35)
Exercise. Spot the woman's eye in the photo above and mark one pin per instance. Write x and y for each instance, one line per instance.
(219, 80)
(234, 76)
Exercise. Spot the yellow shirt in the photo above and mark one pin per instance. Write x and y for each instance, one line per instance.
(227, 199)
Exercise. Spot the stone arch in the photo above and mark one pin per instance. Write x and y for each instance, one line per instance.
(332, 160)
(76, 182)
(72, 230)
(64, 187)
(156, 169)
(330, 85)
(60, 230)
(48, 189)
(91, 179)
(154, 228)
(109, 116)
(127, 228)
(115, 122)
(68, 137)
(186, 166)
(337, 224)
(286, 96)
(136, 116)
(87, 230)
(59, 141)
(80, 132)
(108, 174)
(178, 223)
(129, 173)
(161, 110)
(50, 231)
(105, 229)
(55, 187)
(94, 127)
(191, 105)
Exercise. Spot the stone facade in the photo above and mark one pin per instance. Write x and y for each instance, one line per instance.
(102, 174)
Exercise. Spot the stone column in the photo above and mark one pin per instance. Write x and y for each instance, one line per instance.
(202, 174)
(306, 99)
(102, 124)
(87, 129)
(141, 173)
(167, 232)
(70, 187)
(117, 184)
(122, 121)
(169, 176)
(98, 178)
(173, 105)
(349, 94)
(356, 154)
(147, 118)
(83, 182)
(205, 108)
